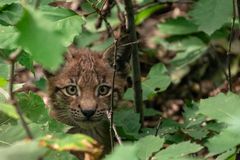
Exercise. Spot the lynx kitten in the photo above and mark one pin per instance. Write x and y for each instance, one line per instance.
(80, 91)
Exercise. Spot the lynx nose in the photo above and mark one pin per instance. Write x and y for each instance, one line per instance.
(88, 113)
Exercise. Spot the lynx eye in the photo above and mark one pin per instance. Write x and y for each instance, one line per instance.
(71, 90)
(103, 90)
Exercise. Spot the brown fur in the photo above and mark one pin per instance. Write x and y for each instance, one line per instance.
(86, 70)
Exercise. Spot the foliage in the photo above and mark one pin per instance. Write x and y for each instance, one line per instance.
(43, 35)
(208, 17)
(33, 36)
(151, 85)
(223, 109)
(144, 150)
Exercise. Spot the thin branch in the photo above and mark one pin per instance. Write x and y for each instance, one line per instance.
(135, 60)
(158, 125)
(114, 129)
(116, 134)
(112, 93)
(121, 15)
(229, 79)
(128, 44)
(12, 60)
(110, 111)
(109, 27)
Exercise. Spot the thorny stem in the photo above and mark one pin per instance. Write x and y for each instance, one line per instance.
(12, 60)
(135, 61)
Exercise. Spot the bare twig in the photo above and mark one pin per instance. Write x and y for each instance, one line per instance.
(135, 60)
(112, 94)
(110, 111)
(105, 9)
(116, 134)
(128, 44)
(121, 15)
(109, 27)
(12, 60)
(114, 129)
(158, 125)
(229, 79)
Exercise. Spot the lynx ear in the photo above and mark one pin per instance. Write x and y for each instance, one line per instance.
(123, 54)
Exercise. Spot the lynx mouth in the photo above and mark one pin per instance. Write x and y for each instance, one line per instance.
(86, 119)
(89, 123)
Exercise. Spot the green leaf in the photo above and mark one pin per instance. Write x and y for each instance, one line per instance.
(66, 21)
(3, 82)
(55, 155)
(39, 39)
(5, 2)
(10, 14)
(145, 13)
(178, 151)
(226, 154)
(33, 107)
(4, 71)
(102, 46)
(123, 152)
(178, 26)
(128, 121)
(151, 112)
(196, 132)
(224, 109)
(9, 110)
(55, 126)
(168, 126)
(193, 122)
(11, 133)
(88, 37)
(157, 81)
(190, 49)
(27, 150)
(191, 118)
(8, 37)
(148, 145)
(26, 60)
(211, 15)
(41, 83)
(74, 142)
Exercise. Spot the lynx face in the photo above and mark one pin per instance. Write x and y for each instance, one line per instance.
(80, 91)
